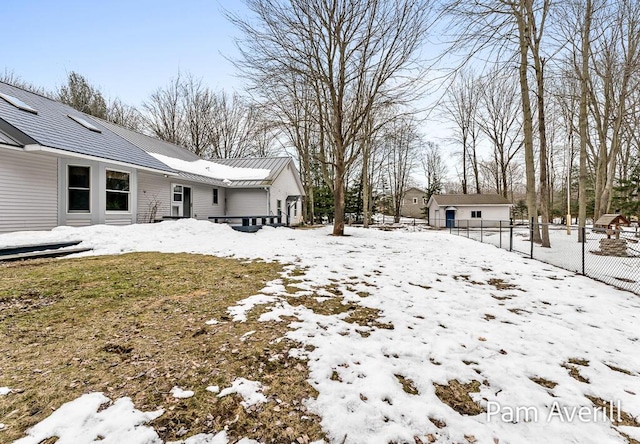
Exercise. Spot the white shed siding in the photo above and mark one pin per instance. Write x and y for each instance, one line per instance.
(247, 202)
(154, 190)
(286, 185)
(29, 191)
(491, 215)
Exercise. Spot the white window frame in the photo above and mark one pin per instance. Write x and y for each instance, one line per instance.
(69, 166)
(415, 201)
(476, 214)
(128, 193)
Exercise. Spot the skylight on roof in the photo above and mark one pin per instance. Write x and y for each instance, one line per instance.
(85, 123)
(18, 103)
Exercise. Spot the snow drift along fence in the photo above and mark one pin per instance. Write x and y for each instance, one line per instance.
(610, 256)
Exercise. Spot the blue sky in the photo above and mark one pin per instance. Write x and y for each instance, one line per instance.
(127, 48)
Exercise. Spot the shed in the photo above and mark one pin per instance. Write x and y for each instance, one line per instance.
(467, 210)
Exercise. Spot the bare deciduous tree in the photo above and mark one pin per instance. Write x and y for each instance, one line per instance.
(351, 52)
(500, 120)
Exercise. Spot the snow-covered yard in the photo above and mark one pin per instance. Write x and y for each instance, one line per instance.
(566, 251)
(545, 355)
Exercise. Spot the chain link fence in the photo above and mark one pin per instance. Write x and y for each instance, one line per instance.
(610, 256)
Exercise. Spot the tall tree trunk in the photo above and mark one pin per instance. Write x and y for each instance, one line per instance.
(527, 115)
(582, 122)
(542, 131)
(338, 199)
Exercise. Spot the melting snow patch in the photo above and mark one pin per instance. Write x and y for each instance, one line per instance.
(212, 322)
(79, 422)
(177, 392)
(5, 391)
(239, 312)
(213, 389)
(249, 390)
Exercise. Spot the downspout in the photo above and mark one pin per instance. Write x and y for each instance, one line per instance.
(268, 190)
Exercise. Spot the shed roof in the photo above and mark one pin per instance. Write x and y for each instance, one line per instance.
(51, 127)
(469, 199)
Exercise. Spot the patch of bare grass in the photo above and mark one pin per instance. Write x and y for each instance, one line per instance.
(611, 411)
(330, 306)
(134, 325)
(501, 284)
(574, 372)
(619, 370)
(456, 395)
(544, 382)
(407, 385)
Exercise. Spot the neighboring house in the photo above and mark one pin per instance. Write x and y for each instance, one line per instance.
(462, 210)
(62, 167)
(413, 202)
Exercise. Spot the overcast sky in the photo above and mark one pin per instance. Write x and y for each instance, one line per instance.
(127, 48)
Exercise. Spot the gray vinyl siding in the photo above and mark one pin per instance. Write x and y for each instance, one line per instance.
(29, 191)
(153, 189)
(203, 206)
(247, 202)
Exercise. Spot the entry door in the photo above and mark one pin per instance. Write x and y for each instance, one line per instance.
(451, 218)
(180, 200)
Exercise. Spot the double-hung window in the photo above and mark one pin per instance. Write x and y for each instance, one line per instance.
(118, 191)
(79, 189)
(476, 214)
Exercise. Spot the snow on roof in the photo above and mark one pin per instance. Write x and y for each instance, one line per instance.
(211, 169)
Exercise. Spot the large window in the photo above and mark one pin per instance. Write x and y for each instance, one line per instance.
(79, 187)
(117, 191)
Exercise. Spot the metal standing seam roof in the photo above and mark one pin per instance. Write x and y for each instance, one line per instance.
(51, 127)
(470, 199)
(275, 165)
(151, 144)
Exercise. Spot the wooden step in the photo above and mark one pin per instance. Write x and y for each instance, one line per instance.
(27, 248)
(42, 254)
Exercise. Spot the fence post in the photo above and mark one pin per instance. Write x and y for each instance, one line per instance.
(510, 234)
(500, 222)
(531, 236)
(584, 242)
(481, 231)
(467, 229)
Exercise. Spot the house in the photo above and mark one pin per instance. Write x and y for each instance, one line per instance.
(467, 210)
(413, 202)
(62, 167)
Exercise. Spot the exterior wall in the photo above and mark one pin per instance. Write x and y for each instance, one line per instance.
(98, 213)
(29, 184)
(491, 215)
(411, 209)
(286, 185)
(154, 194)
(203, 206)
(154, 190)
(247, 202)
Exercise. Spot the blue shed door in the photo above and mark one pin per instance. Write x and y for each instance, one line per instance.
(451, 218)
